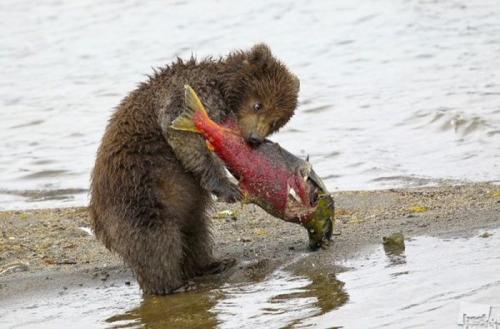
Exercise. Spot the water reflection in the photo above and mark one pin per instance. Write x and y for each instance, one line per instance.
(394, 248)
(395, 255)
(282, 299)
(326, 289)
(190, 310)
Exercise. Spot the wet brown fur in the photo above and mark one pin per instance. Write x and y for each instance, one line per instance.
(151, 185)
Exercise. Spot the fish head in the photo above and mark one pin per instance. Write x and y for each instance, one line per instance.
(320, 225)
(309, 204)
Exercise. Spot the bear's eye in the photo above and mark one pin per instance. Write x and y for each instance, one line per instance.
(257, 106)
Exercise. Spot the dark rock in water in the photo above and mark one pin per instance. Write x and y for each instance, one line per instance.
(485, 235)
(395, 240)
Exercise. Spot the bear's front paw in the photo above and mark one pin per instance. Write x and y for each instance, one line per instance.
(229, 193)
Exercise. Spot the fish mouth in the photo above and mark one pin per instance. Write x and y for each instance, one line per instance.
(293, 196)
(316, 187)
(296, 207)
(295, 211)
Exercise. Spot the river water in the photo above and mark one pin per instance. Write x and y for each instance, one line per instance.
(393, 93)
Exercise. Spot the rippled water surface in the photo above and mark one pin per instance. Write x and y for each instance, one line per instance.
(423, 286)
(393, 93)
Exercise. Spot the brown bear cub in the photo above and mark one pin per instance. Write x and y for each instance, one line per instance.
(151, 185)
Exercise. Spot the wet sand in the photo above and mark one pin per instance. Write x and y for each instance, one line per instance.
(47, 249)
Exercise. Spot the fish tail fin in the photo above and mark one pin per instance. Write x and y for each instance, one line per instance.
(193, 106)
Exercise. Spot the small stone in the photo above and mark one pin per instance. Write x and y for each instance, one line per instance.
(485, 235)
(418, 209)
(127, 283)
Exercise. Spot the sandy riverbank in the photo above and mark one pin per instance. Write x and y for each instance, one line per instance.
(37, 245)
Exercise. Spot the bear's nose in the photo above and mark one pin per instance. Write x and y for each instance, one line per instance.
(254, 140)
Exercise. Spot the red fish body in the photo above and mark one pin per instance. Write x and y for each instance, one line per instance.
(268, 175)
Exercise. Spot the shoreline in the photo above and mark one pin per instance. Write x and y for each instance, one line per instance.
(46, 249)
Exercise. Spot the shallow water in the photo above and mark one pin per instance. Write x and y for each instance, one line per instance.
(423, 286)
(393, 93)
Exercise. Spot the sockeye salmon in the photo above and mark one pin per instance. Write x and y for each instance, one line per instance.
(279, 182)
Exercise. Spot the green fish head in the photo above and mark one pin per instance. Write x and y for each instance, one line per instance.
(320, 226)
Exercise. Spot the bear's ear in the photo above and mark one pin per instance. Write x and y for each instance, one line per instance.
(259, 54)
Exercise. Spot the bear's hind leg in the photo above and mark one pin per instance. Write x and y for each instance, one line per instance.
(198, 245)
(198, 249)
(157, 258)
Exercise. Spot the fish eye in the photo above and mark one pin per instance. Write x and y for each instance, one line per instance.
(257, 106)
